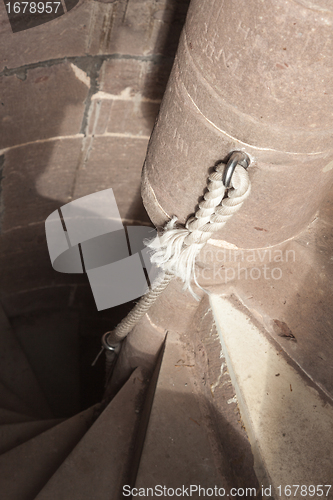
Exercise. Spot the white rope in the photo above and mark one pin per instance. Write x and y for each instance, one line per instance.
(176, 249)
(127, 324)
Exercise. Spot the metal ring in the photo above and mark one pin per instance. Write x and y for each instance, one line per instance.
(105, 343)
(236, 158)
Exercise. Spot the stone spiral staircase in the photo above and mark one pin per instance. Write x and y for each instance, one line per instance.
(155, 431)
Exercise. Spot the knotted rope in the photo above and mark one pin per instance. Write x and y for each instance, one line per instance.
(176, 249)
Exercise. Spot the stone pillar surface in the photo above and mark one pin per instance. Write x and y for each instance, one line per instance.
(253, 76)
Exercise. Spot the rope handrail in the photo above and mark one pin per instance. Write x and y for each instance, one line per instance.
(176, 249)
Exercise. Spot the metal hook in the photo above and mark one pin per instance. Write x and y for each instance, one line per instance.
(105, 343)
(236, 158)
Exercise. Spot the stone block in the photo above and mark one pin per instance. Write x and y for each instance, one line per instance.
(38, 179)
(156, 79)
(140, 27)
(49, 102)
(116, 162)
(130, 96)
(14, 434)
(118, 75)
(132, 117)
(122, 28)
(127, 77)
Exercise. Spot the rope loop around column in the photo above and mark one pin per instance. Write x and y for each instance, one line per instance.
(176, 248)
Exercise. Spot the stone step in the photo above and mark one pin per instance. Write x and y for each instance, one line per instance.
(12, 435)
(26, 469)
(15, 371)
(99, 465)
(50, 341)
(12, 417)
(288, 419)
(179, 448)
(10, 401)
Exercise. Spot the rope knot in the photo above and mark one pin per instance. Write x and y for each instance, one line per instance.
(177, 247)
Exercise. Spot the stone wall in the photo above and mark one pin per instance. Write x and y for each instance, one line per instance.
(78, 99)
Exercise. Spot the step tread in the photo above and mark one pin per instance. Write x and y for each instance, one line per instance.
(16, 372)
(12, 402)
(289, 422)
(14, 434)
(13, 417)
(179, 449)
(25, 470)
(99, 465)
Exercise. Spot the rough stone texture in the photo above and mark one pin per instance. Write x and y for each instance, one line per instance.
(216, 385)
(43, 183)
(122, 52)
(287, 419)
(296, 307)
(145, 76)
(140, 348)
(289, 290)
(137, 28)
(129, 118)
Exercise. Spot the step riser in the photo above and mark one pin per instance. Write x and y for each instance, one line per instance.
(25, 470)
(12, 417)
(99, 466)
(12, 435)
(12, 402)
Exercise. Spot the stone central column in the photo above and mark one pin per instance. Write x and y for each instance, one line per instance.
(255, 76)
